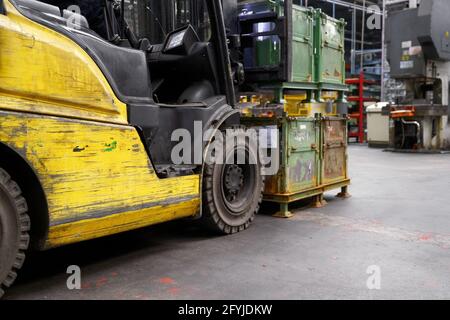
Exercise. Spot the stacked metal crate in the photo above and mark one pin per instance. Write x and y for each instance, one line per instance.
(295, 80)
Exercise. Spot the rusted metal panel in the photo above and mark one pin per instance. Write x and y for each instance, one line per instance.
(301, 166)
(313, 158)
(302, 44)
(273, 184)
(335, 167)
(335, 131)
(335, 150)
(330, 49)
(299, 158)
(302, 171)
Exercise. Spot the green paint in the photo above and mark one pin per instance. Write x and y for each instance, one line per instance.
(329, 42)
(110, 146)
(312, 157)
(303, 67)
(268, 51)
(318, 46)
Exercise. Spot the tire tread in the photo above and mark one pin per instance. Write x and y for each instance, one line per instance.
(24, 227)
(211, 218)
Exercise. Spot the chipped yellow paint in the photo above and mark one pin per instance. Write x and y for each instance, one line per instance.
(59, 112)
(42, 71)
(100, 227)
(95, 171)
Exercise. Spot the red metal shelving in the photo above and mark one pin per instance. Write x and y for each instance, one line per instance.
(360, 99)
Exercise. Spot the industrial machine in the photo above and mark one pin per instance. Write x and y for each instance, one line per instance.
(377, 126)
(88, 108)
(418, 42)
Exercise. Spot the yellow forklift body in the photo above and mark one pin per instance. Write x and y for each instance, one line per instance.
(58, 111)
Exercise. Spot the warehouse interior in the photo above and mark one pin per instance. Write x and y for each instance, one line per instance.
(357, 92)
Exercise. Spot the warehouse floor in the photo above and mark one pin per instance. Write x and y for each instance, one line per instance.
(398, 220)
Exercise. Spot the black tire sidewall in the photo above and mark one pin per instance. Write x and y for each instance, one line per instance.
(227, 217)
(9, 232)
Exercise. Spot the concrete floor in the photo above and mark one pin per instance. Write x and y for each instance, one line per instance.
(398, 219)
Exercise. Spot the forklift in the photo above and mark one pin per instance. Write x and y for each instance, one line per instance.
(88, 109)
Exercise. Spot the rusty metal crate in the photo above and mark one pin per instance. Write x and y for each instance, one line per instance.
(313, 159)
(300, 167)
(334, 150)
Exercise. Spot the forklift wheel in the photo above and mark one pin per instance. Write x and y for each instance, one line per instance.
(232, 193)
(14, 227)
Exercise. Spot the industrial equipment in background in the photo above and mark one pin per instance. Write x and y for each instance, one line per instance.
(377, 126)
(364, 81)
(294, 65)
(418, 43)
(360, 98)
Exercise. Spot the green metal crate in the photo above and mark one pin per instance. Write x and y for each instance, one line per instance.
(313, 158)
(268, 52)
(303, 68)
(300, 166)
(308, 55)
(330, 49)
(268, 48)
(335, 143)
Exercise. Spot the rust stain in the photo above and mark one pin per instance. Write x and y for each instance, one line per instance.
(272, 184)
(334, 163)
(335, 156)
(302, 171)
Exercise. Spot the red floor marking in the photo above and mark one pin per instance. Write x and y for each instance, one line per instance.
(101, 282)
(166, 280)
(174, 291)
(425, 237)
(86, 285)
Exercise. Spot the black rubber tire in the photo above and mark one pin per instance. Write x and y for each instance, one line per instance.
(14, 228)
(216, 214)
